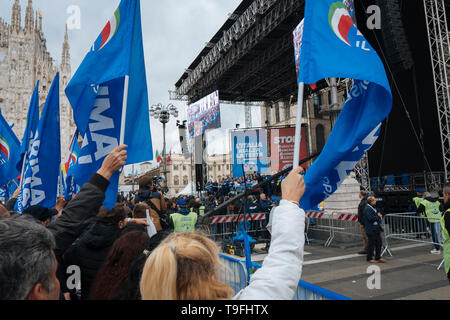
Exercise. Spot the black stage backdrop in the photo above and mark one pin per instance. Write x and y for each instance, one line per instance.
(398, 151)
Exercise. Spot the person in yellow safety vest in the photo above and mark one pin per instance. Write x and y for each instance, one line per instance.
(445, 224)
(417, 200)
(420, 227)
(430, 206)
(184, 221)
(201, 208)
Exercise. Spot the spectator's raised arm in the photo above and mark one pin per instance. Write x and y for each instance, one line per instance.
(281, 271)
(86, 203)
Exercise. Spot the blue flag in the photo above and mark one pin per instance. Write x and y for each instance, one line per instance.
(71, 187)
(9, 153)
(117, 52)
(6, 191)
(333, 47)
(30, 129)
(97, 92)
(101, 138)
(40, 180)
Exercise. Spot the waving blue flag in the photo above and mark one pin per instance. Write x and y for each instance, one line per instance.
(101, 138)
(71, 187)
(9, 153)
(118, 52)
(40, 180)
(333, 47)
(30, 129)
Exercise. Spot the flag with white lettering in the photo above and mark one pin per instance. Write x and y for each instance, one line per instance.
(332, 46)
(117, 52)
(40, 179)
(30, 129)
(9, 153)
(101, 138)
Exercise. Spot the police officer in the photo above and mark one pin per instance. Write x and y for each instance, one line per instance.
(184, 221)
(445, 224)
(430, 207)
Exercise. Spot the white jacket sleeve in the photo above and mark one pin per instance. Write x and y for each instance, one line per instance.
(282, 269)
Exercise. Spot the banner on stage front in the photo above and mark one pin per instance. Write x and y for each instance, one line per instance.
(250, 153)
(204, 114)
(282, 143)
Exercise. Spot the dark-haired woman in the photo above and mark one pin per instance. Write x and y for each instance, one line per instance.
(112, 274)
(91, 249)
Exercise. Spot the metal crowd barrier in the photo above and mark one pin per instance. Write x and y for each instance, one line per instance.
(234, 274)
(333, 223)
(410, 227)
(223, 227)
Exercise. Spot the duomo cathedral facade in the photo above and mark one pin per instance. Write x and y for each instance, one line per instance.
(24, 60)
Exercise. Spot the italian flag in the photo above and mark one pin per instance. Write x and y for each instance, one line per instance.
(158, 157)
(4, 147)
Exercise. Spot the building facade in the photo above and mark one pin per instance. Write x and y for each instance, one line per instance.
(181, 171)
(316, 115)
(24, 59)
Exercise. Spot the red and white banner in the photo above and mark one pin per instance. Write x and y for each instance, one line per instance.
(239, 218)
(336, 216)
(282, 144)
(309, 214)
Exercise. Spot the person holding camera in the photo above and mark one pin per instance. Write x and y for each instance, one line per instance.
(149, 194)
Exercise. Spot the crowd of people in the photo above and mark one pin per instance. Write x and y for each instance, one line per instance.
(143, 248)
(212, 200)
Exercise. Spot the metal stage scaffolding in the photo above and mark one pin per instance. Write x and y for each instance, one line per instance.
(438, 36)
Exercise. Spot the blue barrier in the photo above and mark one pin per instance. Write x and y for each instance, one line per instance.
(305, 290)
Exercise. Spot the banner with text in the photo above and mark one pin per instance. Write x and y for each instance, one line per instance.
(250, 152)
(282, 143)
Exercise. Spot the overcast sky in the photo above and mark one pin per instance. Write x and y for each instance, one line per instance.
(174, 31)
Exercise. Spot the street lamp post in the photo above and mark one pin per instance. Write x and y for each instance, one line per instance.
(163, 113)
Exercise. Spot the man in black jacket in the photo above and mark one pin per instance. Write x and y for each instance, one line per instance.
(362, 205)
(372, 224)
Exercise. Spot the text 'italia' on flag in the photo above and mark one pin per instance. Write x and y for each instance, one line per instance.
(40, 179)
(9, 153)
(333, 47)
(109, 92)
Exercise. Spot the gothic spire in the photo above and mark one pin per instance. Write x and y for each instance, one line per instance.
(40, 21)
(16, 18)
(65, 60)
(29, 17)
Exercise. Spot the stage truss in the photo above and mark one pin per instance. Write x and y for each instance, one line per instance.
(438, 37)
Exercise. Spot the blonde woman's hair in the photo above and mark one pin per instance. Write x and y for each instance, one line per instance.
(185, 266)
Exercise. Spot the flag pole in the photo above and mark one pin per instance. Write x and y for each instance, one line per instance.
(124, 110)
(298, 125)
(23, 169)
